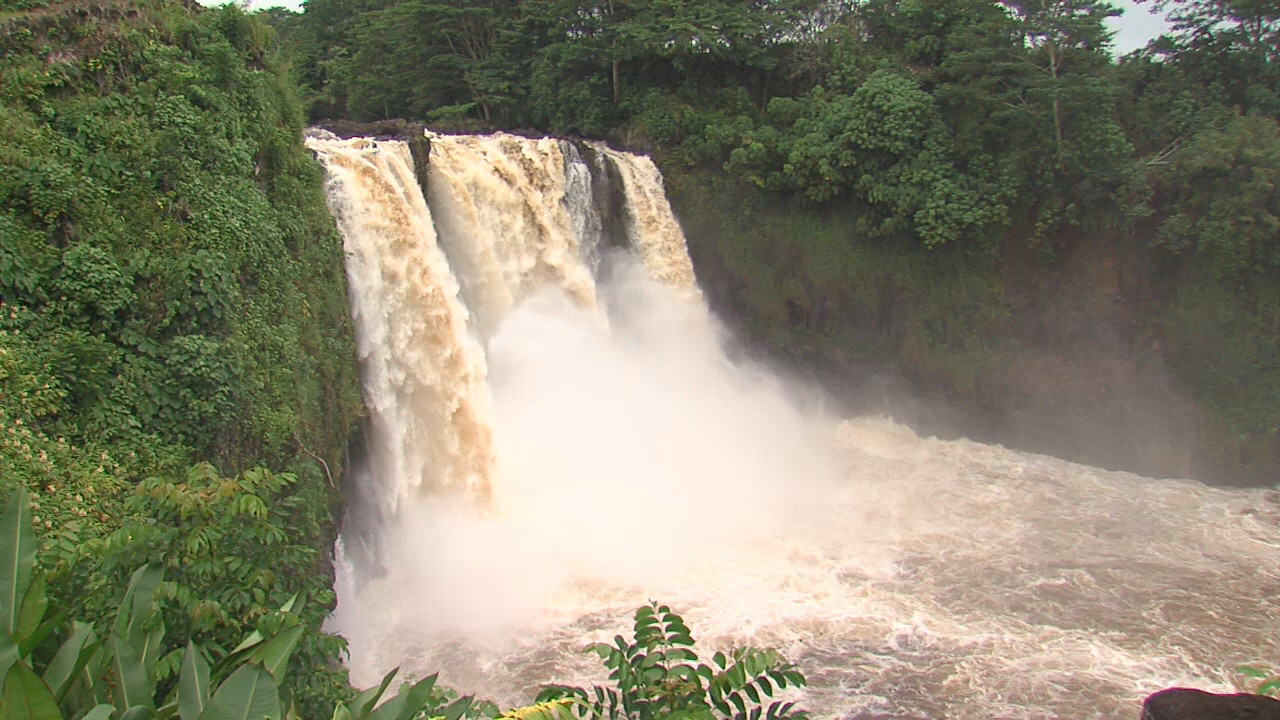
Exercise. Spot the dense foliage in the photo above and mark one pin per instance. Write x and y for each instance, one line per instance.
(164, 245)
(957, 128)
(172, 314)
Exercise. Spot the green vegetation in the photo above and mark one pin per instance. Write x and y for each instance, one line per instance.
(949, 138)
(173, 320)
(1260, 681)
(655, 676)
(885, 182)
(52, 668)
(174, 314)
(164, 245)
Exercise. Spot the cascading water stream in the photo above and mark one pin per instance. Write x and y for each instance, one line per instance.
(654, 234)
(512, 214)
(423, 374)
(557, 436)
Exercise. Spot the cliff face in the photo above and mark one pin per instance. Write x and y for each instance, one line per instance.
(164, 237)
(1068, 354)
(172, 292)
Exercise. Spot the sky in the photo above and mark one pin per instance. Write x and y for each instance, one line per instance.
(1133, 29)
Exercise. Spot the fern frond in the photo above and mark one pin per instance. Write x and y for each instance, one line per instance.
(559, 709)
(658, 675)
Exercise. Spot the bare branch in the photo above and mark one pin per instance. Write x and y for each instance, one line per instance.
(319, 459)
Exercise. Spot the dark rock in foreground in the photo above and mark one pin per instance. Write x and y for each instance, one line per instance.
(1187, 704)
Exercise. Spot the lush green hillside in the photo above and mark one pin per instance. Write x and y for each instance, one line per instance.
(173, 294)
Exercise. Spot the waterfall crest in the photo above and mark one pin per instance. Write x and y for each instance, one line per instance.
(506, 214)
(654, 234)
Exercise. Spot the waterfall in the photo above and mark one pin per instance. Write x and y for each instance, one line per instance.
(433, 278)
(557, 435)
(652, 229)
(505, 214)
(423, 373)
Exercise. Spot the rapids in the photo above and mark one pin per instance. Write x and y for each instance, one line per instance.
(557, 435)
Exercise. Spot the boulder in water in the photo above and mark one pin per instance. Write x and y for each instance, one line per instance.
(1188, 704)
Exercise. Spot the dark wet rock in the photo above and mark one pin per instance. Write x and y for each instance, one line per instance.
(408, 131)
(608, 194)
(1188, 704)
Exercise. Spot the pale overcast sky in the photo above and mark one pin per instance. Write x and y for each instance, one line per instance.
(1136, 26)
(1133, 29)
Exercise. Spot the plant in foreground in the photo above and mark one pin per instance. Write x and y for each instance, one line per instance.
(657, 675)
(111, 674)
(1259, 680)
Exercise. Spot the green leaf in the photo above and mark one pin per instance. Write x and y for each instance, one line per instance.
(456, 709)
(100, 712)
(70, 659)
(417, 697)
(765, 685)
(717, 699)
(139, 712)
(136, 606)
(26, 697)
(41, 633)
(17, 558)
(151, 646)
(34, 604)
(391, 709)
(133, 683)
(94, 674)
(365, 701)
(193, 683)
(694, 714)
(249, 694)
(274, 655)
(8, 656)
(340, 712)
(255, 638)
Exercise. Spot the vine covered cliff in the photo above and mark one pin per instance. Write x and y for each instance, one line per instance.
(174, 312)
